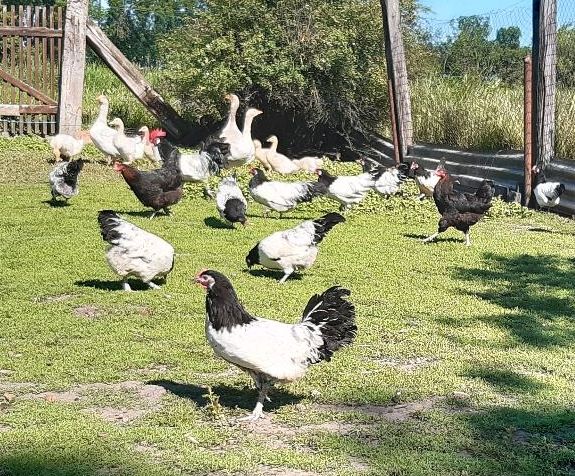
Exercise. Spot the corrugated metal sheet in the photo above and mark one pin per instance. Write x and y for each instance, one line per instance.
(505, 168)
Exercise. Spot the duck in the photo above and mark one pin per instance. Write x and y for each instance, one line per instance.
(129, 148)
(101, 133)
(279, 162)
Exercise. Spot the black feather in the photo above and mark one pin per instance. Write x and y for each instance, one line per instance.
(235, 211)
(108, 220)
(335, 317)
(223, 307)
(324, 224)
(253, 256)
(72, 171)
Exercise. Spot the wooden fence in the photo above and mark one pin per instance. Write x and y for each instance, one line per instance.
(30, 62)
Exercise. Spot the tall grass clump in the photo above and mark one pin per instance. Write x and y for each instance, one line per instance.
(565, 123)
(123, 104)
(467, 113)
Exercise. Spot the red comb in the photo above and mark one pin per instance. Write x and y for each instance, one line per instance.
(155, 133)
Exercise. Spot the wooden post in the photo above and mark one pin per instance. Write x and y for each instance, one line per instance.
(134, 80)
(72, 69)
(544, 77)
(527, 129)
(397, 73)
(394, 131)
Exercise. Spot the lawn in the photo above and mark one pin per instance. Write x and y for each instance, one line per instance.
(463, 362)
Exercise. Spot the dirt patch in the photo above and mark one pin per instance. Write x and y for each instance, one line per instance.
(5, 372)
(281, 471)
(407, 365)
(53, 298)
(4, 428)
(144, 311)
(117, 415)
(18, 387)
(88, 312)
(520, 437)
(358, 465)
(393, 413)
(154, 368)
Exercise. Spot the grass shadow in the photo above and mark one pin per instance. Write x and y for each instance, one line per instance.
(535, 290)
(215, 223)
(143, 214)
(230, 397)
(505, 380)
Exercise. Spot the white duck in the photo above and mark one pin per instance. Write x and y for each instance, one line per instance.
(231, 131)
(129, 148)
(242, 149)
(103, 135)
(279, 162)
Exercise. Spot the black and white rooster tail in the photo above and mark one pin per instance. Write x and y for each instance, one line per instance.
(333, 317)
(218, 153)
(312, 190)
(558, 191)
(109, 222)
(169, 154)
(324, 224)
(72, 170)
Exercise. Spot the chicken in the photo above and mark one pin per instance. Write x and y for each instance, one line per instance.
(425, 180)
(64, 179)
(295, 248)
(101, 134)
(65, 146)
(231, 202)
(231, 132)
(133, 251)
(391, 178)
(157, 189)
(547, 194)
(239, 150)
(196, 167)
(459, 210)
(349, 189)
(271, 351)
(282, 196)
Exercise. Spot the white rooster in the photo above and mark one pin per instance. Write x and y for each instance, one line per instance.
(547, 194)
(293, 249)
(133, 251)
(271, 351)
(349, 189)
(231, 202)
(282, 196)
(391, 178)
(425, 180)
(64, 179)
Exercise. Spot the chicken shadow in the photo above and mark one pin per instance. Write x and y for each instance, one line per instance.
(439, 239)
(112, 285)
(215, 223)
(56, 203)
(276, 275)
(141, 213)
(230, 397)
(536, 293)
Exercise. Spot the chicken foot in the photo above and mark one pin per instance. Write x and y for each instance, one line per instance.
(430, 238)
(125, 285)
(287, 274)
(258, 411)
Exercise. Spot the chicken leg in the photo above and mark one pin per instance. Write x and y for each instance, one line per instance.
(125, 285)
(258, 411)
(467, 240)
(430, 238)
(152, 285)
(287, 274)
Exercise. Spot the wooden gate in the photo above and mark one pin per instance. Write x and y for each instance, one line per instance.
(30, 62)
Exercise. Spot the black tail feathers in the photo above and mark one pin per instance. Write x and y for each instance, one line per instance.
(335, 317)
(73, 169)
(485, 191)
(559, 190)
(324, 224)
(108, 220)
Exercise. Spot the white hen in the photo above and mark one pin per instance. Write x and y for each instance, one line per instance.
(349, 189)
(282, 196)
(271, 351)
(230, 201)
(547, 194)
(66, 146)
(293, 249)
(133, 251)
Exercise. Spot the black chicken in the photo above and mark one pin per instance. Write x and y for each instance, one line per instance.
(459, 210)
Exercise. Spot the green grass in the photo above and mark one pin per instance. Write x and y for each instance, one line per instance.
(494, 321)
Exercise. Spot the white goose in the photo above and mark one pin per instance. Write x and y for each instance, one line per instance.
(231, 131)
(242, 150)
(103, 135)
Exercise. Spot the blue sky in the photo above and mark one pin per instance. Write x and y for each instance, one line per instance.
(448, 9)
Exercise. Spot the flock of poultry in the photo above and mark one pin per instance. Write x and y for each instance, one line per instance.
(269, 351)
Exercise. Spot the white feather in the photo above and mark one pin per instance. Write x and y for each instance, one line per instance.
(279, 196)
(227, 190)
(139, 253)
(545, 194)
(389, 182)
(348, 189)
(58, 184)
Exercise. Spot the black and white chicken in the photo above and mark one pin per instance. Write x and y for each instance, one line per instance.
(349, 189)
(547, 194)
(133, 251)
(391, 178)
(271, 351)
(282, 196)
(64, 179)
(425, 180)
(231, 202)
(293, 249)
